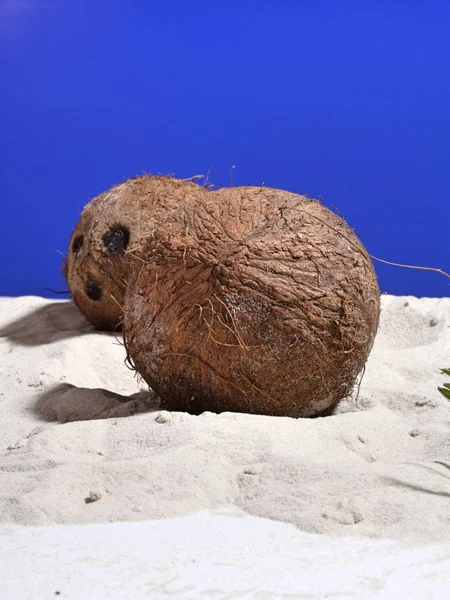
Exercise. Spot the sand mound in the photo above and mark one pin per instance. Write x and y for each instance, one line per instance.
(378, 467)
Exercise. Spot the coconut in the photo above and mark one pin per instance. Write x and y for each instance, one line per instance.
(252, 300)
(112, 229)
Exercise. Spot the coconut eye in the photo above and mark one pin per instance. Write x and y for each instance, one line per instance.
(77, 243)
(94, 290)
(116, 240)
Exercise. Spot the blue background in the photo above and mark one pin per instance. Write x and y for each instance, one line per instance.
(349, 101)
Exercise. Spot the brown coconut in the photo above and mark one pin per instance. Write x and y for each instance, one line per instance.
(255, 300)
(108, 238)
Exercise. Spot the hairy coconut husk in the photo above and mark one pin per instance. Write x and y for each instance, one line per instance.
(253, 300)
(109, 236)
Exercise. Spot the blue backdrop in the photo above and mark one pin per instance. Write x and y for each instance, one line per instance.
(345, 100)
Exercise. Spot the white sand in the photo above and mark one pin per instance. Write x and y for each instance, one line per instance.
(213, 556)
(378, 468)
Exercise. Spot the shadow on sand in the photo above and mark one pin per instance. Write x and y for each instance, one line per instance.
(65, 403)
(47, 324)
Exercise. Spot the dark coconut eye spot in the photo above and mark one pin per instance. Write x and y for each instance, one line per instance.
(116, 240)
(77, 243)
(94, 290)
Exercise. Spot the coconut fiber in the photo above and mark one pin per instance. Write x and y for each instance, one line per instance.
(108, 238)
(255, 300)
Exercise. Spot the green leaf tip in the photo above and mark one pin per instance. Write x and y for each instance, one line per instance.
(445, 392)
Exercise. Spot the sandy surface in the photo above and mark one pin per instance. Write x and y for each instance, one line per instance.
(214, 556)
(379, 467)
